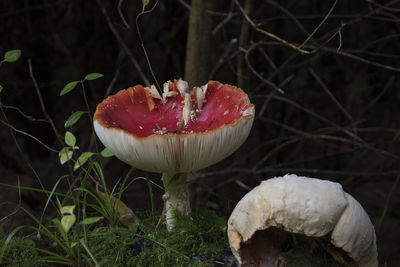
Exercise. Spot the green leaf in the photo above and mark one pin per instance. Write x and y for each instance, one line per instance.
(91, 220)
(67, 209)
(145, 3)
(65, 154)
(70, 138)
(82, 159)
(68, 221)
(73, 118)
(68, 87)
(221, 222)
(1, 88)
(93, 76)
(106, 153)
(88, 252)
(12, 55)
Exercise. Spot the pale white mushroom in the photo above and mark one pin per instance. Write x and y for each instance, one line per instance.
(172, 136)
(259, 226)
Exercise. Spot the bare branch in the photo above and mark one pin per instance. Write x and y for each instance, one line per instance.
(124, 46)
(46, 115)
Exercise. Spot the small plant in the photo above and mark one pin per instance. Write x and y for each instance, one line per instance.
(11, 56)
(68, 236)
(196, 241)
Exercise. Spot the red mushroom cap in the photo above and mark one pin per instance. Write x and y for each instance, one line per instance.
(179, 132)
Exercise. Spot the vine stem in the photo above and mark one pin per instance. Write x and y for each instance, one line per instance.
(90, 115)
(47, 116)
(144, 48)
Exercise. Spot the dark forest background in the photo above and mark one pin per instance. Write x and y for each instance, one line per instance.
(323, 75)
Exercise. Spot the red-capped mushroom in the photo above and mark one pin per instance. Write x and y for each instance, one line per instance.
(175, 133)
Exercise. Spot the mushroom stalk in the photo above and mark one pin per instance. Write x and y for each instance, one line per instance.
(177, 196)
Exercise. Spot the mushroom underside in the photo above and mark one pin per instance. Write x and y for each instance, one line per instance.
(274, 247)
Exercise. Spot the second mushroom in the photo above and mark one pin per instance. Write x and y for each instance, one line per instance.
(175, 133)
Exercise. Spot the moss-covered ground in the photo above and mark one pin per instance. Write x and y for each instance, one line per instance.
(196, 241)
(199, 240)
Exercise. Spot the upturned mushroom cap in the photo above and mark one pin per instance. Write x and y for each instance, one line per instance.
(300, 205)
(180, 131)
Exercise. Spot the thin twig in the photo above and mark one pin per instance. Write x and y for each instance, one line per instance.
(319, 25)
(183, 3)
(144, 48)
(29, 135)
(23, 114)
(290, 15)
(46, 115)
(267, 58)
(386, 206)
(122, 14)
(224, 21)
(90, 117)
(19, 147)
(383, 91)
(331, 96)
(363, 60)
(271, 35)
(266, 81)
(226, 55)
(387, 174)
(19, 202)
(124, 46)
(111, 85)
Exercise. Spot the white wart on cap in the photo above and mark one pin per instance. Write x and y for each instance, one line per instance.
(259, 225)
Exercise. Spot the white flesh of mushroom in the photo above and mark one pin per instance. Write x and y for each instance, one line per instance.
(182, 86)
(306, 206)
(167, 92)
(187, 109)
(199, 97)
(154, 92)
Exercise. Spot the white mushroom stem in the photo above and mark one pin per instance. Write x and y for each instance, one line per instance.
(177, 196)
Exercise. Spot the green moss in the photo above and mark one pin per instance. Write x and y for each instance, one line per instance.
(195, 241)
(199, 240)
(20, 252)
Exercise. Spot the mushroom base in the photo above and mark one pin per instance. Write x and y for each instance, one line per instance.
(274, 247)
(177, 197)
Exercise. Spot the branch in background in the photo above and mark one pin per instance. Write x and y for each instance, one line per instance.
(259, 75)
(271, 35)
(122, 14)
(280, 170)
(225, 20)
(331, 96)
(28, 117)
(242, 69)
(29, 135)
(226, 56)
(379, 224)
(127, 51)
(46, 115)
(142, 44)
